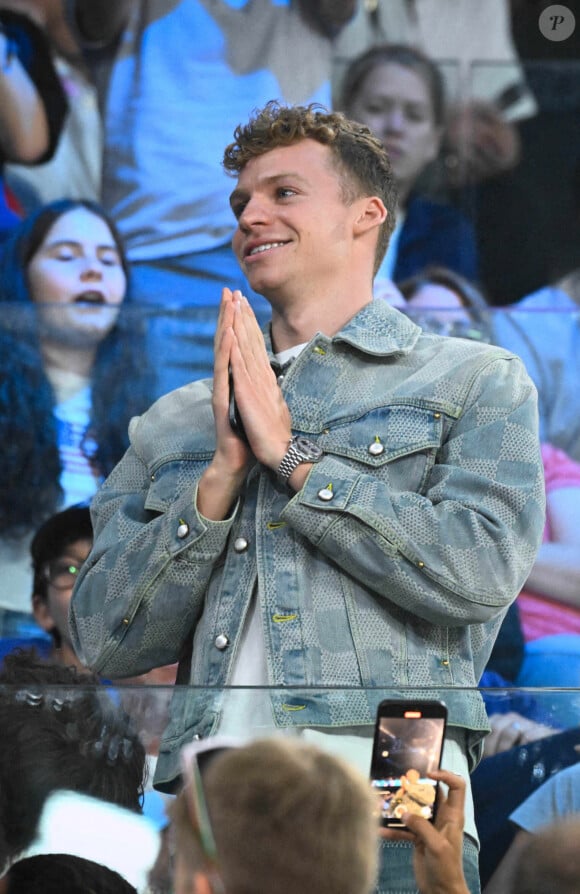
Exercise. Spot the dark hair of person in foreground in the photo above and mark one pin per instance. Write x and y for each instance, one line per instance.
(64, 874)
(61, 729)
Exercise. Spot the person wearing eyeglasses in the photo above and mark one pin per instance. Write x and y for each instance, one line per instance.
(58, 550)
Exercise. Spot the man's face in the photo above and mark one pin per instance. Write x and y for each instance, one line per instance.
(294, 228)
(53, 612)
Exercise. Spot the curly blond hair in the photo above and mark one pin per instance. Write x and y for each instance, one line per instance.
(360, 159)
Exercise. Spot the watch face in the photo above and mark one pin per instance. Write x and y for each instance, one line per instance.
(308, 449)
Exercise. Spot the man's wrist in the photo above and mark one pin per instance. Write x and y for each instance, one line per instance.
(217, 490)
(300, 451)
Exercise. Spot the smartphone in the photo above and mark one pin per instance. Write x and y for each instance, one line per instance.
(407, 747)
(235, 419)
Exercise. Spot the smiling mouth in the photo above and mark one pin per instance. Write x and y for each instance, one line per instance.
(267, 246)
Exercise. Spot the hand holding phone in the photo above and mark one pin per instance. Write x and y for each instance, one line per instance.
(407, 747)
(438, 856)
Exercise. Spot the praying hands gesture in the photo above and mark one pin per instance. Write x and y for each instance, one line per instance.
(239, 347)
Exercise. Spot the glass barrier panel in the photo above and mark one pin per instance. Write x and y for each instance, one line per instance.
(61, 743)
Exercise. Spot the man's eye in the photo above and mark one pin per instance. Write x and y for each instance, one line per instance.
(65, 256)
(285, 192)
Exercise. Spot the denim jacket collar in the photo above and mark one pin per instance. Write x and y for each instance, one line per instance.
(378, 329)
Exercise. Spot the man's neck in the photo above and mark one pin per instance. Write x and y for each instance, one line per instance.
(294, 325)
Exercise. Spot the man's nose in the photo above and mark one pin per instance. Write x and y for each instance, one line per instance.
(255, 211)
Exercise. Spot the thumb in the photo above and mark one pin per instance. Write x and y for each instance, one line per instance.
(421, 828)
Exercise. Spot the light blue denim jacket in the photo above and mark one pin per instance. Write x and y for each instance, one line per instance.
(401, 579)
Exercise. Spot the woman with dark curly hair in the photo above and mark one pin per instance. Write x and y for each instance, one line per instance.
(73, 371)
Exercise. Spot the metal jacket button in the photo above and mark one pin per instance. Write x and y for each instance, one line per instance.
(325, 494)
(182, 531)
(240, 544)
(221, 642)
(376, 448)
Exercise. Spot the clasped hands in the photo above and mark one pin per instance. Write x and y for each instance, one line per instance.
(239, 346)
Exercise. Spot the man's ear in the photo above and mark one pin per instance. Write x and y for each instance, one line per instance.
(372, 213)
(42, 614)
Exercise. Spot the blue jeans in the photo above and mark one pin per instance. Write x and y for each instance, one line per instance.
(182, 295)
(396, 874)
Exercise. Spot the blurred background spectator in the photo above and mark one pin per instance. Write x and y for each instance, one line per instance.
(544, 330)
(397, 92)
(74, 372)
(529, 218)
(473, 45)
(544, 854)
(74, 170)
(511, 149)
(58, 550)
(33, 106)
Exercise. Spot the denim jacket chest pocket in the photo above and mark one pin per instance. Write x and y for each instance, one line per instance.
(171, 478)
(398, 443)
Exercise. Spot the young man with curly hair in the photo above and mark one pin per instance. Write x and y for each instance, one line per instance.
(369, 527)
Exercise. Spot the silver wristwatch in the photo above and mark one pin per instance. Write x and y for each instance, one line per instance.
(301, 450)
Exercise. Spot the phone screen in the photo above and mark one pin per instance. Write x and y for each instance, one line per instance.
(407, 748)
